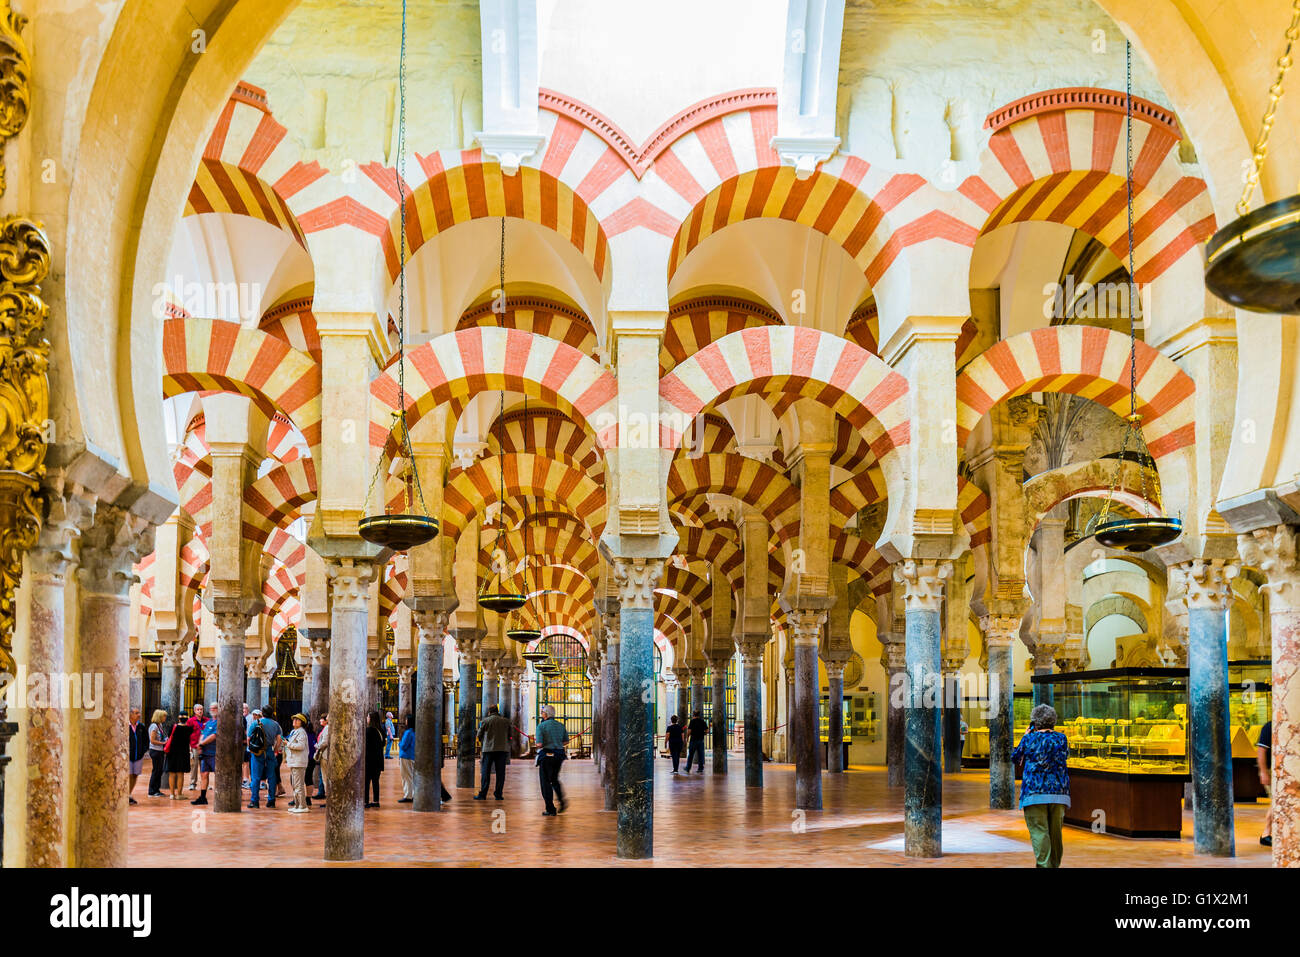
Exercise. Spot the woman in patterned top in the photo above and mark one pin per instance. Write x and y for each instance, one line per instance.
(1045, 784)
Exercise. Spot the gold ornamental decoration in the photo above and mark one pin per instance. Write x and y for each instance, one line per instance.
(15, 77)
(24, 406)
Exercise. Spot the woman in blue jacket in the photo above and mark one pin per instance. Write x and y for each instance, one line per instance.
(1045, 784)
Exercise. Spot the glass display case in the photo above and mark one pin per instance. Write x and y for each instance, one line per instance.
(1022, 703)
(1250, 707)
(975, 712)
(860, 722)
(1127, 731)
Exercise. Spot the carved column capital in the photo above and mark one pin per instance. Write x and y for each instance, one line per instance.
(611, 622)
(172, 652)
(372, 667)
(1000, 630)
(405, 673)
(349, 580)
(115, 540)
(431, 623)
(895, 657)
(922, 582)
(469, 642)
(806, 625)
(636, 579)
(231, 626)
(752, 647)
(253, 667)
(834, 669)
(306, 668)
(136, 666)
(320, 652)
(1273, 551)
(66, 514)
(1205, 583)
(210, 672)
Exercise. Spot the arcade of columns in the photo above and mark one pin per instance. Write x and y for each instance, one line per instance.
(710, 474)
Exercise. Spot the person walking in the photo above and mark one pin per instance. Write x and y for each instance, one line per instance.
(674, 737)
(390, 734)
(494, 734)
(297, 749)
(322, 751)
(137, 745)
(406, 755)
(552, 736)
(699, 730)
(263, 740)
(374, 758)
(158, 732)
(207, 752)
(1045, 784)
(1264, 760)
(178, 759)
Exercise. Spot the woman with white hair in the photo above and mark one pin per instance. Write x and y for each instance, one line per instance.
(1045, 784)
(552, 736)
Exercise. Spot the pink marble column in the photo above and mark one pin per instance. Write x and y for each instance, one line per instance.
(1273, 551)
(113, 543)
(43, 716)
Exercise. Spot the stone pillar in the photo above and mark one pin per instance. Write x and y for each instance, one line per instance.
(682, 687)
(109, 547)
(1044, 657)
(751, 669)
(720, 724)
(999, 633)
(636, 578)
(404, 675)
(265, 689)
(430, 624)
(308, 680)
(320, 663)
(1209, 595)
(697, 690)
(895, 724)
(228, 796)
(172, 701)
(834, 717)
(951, 716)
(137, 683)
(469, 641)
(922, 758)
(372, 684)
(491, 679)
(806, 629)
(610, 708)
(597, 715)
(211, 683)
(349, 580)
(48, 564)
(253, 683)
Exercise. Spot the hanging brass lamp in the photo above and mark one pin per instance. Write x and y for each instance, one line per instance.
(536, 656)
(410, 526)
(1254, 261)
(1147, 531)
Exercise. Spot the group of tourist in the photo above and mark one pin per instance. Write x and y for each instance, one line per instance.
(694, 734)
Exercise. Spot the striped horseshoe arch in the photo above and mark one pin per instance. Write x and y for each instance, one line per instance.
(459, 365)
(973, 505)
(212, 355)
(469, 490)
(794, 361)
(1086, 361)
(277, 498)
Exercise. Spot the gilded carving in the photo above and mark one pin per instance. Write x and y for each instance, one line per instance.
(15, 77)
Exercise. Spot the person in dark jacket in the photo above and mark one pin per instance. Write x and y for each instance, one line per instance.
(178, 759)
(494, 733)
(137, 745)
(374, 757)
(552, 736)
(1045, 784)
(699, 730)
(674, 738)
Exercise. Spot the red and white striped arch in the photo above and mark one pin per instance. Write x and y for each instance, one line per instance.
(277, 498)
(1086, 361)
(1060, 156)
(469, 491)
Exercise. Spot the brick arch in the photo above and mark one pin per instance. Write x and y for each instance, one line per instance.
(752, 482)
(856, 493)
(693, 587)
(564, 580)
(277, 498)
(1092, 478)
(695, 323)
(568, 544)
(1060, 155)
(469, 490)
(862, 560)
(214, 355)
(543, 317)
(288, 551)
(550, 429)
(1086, 361)
(793, 361)
(1121, 605)
(455, 187)
(459, 365)
(701, 544)
(553, 608)
(973, 506)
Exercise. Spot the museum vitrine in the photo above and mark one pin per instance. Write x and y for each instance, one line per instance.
(1127, 731)
(1250, 706)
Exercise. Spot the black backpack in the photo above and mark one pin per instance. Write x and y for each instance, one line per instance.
(256, 738)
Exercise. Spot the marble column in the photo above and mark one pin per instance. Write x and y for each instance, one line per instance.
(265, 691)
(308, 680)
(349, 582)
(895, 723)
(170, 697)
(697, 691)
(751, 670)
(806, 629)
(228, 796)
(834, 717)
(320, 663)
(720, 724)
(636, 580)
(468, 641)
(609, 769)
(48, 564)
(999, 633)
(1044, 657)
(951, 716)
(211, 683)
(137, 683)
(491, 681)
(1208, 589)
(253, 683)
(597, 714)
(922, 756)
(109, 547)
(404, 675)
(373, 699)
(430, 624)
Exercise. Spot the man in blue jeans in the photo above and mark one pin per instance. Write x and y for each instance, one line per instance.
(698, 729)
(263, 759)
(552, 736)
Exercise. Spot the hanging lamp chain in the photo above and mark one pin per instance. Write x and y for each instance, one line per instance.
(1260, 152)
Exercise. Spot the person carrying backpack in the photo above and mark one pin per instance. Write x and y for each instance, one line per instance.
(262, 736)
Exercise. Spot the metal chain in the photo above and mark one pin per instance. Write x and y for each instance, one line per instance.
(1266, 127)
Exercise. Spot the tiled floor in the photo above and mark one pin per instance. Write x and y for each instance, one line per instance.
(703, 820)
